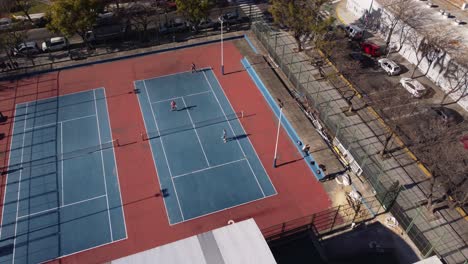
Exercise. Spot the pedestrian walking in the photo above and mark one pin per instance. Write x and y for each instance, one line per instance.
(194, 68)
(224, 137)
(306, 149)
(173, 105)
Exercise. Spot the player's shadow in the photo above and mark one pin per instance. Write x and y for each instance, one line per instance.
(187, 108)
(237, 137)
(289, 162)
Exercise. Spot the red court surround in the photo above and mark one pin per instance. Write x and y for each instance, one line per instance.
(299, 193)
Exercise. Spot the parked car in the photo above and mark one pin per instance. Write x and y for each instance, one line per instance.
(413, 87)
(371, 48)
(446, 115)
(205, 23)
(5, 23)
(354, 32)
(389, 66)
(176, 25)
(230, 18)
(26, 49)
(54, 44)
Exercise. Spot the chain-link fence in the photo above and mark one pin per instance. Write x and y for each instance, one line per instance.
(325, 222)
(313, 90)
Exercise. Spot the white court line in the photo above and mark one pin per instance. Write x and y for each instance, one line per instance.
(19, 184)
(172, 74)
(174, 98)
(6, 181)
(63, 206)
(103, 167)
(198, 137)
(240, 123)
(115, 162)
(152, 152)
(61, 164)
(209, 168)
(164, 151)
(53, 124)
(232, 130)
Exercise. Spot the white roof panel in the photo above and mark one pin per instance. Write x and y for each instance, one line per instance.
(237, 243)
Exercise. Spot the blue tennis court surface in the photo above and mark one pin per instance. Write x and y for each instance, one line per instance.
(199, 173)
(62, 194)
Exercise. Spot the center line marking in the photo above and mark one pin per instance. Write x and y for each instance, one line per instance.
(195, 129)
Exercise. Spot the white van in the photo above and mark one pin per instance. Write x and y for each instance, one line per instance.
(54, 44)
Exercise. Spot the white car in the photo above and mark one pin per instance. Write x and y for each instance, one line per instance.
(389, 66)
(54, 44)
(414, 87)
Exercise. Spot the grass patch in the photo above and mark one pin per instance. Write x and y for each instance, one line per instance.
(37, 7)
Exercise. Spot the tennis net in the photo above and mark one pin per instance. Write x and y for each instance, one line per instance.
(156, 134)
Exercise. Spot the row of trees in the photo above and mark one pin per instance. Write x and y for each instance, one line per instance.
(70, 17)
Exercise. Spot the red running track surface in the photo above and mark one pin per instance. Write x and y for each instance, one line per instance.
(299, 193)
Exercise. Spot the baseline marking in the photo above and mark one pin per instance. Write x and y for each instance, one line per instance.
(164, 151)
(232, 130)
(63, 206)
(103, 168)
(174, 98)
(19, 183)
(195, 129)
(209, 168)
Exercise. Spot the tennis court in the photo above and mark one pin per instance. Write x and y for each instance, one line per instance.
(199, 174)
(62, 194)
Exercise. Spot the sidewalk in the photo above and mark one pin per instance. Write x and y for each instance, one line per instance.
(361, 137)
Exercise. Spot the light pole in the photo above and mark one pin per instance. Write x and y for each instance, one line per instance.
(222, 46)
(280, 104)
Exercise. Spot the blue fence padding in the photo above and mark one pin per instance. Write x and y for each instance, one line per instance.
(13, 77)
(316, 170)
(250, 44)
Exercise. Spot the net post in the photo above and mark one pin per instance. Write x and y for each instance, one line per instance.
(115, 143)
(242, 114)
(144, 136)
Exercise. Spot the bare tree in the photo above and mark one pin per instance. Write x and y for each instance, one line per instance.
(457, 79)
(141, 16)
(438, 148)
(24, 6)
(399, 12)
(432, 45)
(10, 39)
